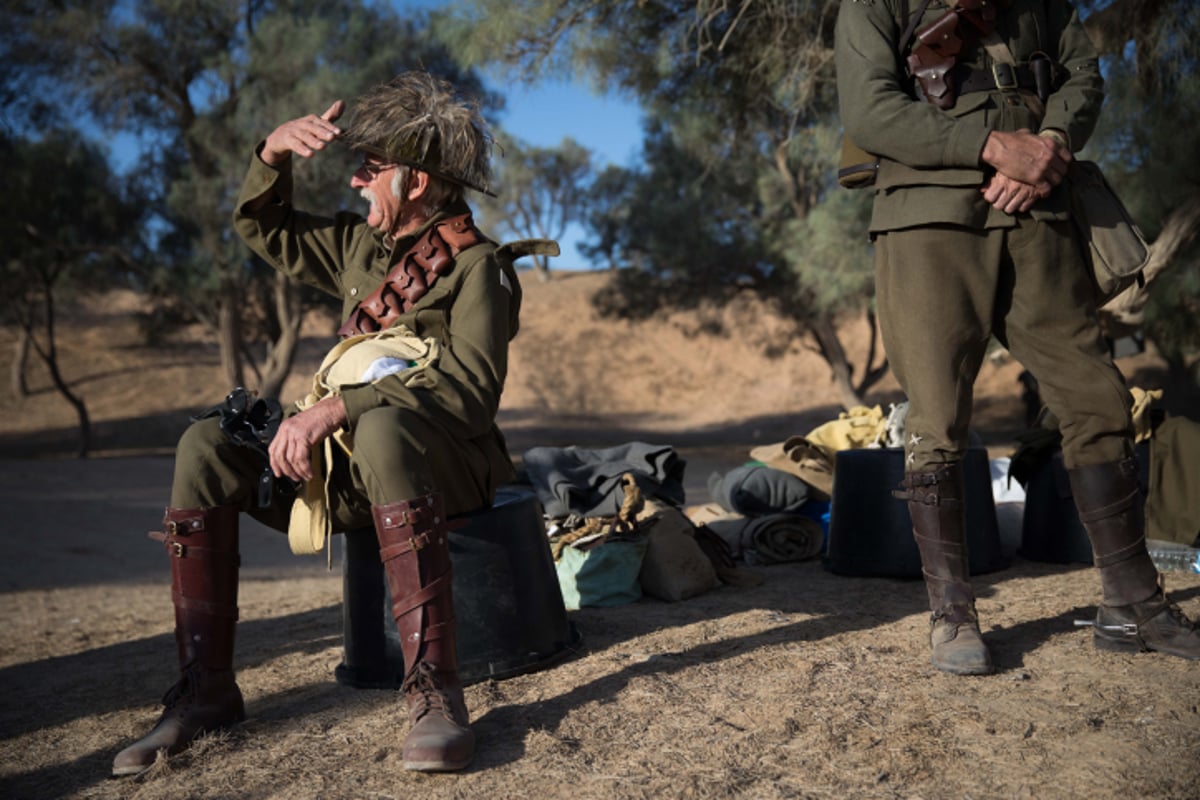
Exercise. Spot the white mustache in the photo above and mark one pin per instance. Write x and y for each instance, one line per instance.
(368, 195)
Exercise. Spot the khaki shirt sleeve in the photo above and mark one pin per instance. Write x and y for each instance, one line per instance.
(877, 111)
(463, 392)
(310, 248)
(1075, 106)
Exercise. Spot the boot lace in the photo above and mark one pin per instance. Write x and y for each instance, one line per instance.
(425, 693)
(184, 689)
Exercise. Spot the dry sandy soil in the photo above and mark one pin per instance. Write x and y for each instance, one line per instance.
(810, 685)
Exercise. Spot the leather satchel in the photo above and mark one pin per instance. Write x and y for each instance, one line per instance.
(1113, 247)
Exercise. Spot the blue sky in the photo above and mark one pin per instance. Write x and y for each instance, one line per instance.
(542, 114)
(545, 113)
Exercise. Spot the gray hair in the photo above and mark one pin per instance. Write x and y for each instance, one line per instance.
(419, 121)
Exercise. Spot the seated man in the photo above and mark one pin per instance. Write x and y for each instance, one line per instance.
(417, 442)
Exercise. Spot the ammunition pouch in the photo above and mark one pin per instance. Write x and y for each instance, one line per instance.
(857, 167)
(933, 60)
(432, 255)
(939, 43)
(252, 422)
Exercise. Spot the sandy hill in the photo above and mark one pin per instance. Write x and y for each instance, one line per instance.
(722, 375)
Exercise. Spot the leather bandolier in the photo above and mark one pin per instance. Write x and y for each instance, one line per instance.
(415, 272)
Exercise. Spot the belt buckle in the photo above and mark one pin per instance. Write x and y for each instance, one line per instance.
(1005, 77)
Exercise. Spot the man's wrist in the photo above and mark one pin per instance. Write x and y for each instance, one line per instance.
(1057, 135)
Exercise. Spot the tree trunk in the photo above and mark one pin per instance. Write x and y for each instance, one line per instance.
(282, 352)
(872, 374)
(85, 423)
(1124, 314)
(49, 356)
(229, 337)
(833, 352)
(20, 388)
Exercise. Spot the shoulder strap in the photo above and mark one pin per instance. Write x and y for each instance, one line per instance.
(913, 22)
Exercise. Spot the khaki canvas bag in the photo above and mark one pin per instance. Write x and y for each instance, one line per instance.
(1114, 248)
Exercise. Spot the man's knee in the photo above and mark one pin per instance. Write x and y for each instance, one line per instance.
(199, 443)
(391, 454)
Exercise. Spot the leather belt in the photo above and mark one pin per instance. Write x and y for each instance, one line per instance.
(1003, 77)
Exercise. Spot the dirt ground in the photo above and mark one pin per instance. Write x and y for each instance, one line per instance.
(811, 685)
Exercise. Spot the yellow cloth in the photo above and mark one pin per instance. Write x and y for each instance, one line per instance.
(349, 363)
(1143, 400)
(858, 427)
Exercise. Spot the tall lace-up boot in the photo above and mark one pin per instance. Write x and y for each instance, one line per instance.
(415, 551)
(203, 546)
(935, 503)
(1135, 614)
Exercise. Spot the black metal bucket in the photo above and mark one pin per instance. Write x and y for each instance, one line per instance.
(1051, 530)
(870, 532)
(507, 603)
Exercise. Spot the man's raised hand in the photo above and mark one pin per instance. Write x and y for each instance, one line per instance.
(303, 136)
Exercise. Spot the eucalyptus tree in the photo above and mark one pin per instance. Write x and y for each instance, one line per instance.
(68, 225)
(1147, 140)
(542, 191)
(741, 100)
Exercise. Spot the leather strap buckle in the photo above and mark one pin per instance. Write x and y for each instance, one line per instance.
(1005, 77)
(176, 549)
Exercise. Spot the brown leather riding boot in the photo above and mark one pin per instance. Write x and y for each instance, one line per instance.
(1135, 614)
(935, 503)
(415, 551)
(203, 546)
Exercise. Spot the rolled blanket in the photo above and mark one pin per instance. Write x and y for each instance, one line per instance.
(758, 489)
(771, 538)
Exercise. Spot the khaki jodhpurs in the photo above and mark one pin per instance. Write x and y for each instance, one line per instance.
(944, 290)
(398, 455)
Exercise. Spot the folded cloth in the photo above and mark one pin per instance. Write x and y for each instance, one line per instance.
(758, 489)
(858, 427)
(571, 480)
(771, 538)
(809, 462)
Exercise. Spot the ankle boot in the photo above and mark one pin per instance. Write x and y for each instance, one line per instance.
(415, 551)
(1135, 614)
(203, 546)
(935, 503)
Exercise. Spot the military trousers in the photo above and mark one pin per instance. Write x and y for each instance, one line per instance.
(944, 290)
(398, 455)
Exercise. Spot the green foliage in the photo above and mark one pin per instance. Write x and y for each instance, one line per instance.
(68, 224)
(1147, 140)
(741, 103)
(541, 190)
(691, 233)
(200, 82)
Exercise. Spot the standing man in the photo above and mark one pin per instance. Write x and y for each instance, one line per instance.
(430, 306)
(974, 124)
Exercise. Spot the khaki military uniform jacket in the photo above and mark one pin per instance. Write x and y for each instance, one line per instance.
(930, 170)
(471, 311)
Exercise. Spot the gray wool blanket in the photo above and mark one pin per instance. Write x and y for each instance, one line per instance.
(571, 480)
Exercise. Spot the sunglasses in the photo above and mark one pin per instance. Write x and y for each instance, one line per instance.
(373, 168)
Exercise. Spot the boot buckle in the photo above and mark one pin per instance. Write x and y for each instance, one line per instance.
(176, 549)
